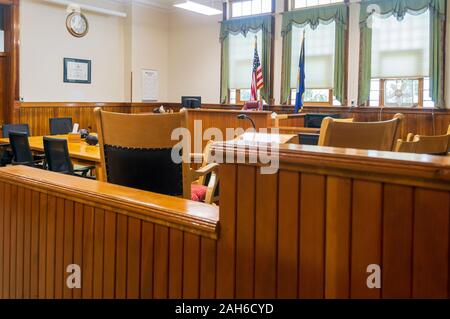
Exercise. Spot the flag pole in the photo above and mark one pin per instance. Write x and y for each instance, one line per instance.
(303, 97)
(260, 96)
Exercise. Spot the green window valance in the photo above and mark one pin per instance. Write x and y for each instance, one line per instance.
(398, 9)
(313, 17)
(244, 26)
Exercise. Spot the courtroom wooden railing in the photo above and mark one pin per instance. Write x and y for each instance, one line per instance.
(128, 243)
(308, 231)
(312, 229)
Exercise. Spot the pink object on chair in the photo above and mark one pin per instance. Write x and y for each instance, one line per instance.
(198, 192)
(253, 105)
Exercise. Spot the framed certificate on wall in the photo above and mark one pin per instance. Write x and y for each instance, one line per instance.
(77, 71)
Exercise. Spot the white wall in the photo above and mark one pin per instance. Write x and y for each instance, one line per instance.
(149, 48)
(45, 42)
(194, 55)
(201, 75)
(184, 47)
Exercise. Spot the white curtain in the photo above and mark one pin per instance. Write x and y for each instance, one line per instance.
(319, 55)
(241, 53)
(401, 48)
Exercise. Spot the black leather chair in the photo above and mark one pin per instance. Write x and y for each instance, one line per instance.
(315, 120)
(22, 154)
(22, 128)
(58, 158)
(6, 155)
(60, 126)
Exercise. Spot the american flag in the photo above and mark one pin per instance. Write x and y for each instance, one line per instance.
(257, 75)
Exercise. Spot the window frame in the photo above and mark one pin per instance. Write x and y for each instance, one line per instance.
(228, 15)
(419, 105)
(381, 95)
(291, 5)
(329, 103)
(238, 95)
(230, 9)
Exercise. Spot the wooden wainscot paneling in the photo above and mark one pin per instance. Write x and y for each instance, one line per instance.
(313, 229)
(417, 121)
(37, 115)
(223, 120)
(128, 243)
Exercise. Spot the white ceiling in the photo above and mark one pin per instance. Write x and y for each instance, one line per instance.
(168, 4)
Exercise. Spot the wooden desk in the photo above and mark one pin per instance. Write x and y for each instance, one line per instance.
(200, 120)
(268, 138)
(80, 153)
(298, 130)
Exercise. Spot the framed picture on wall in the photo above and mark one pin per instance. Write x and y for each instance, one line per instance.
(77, 71)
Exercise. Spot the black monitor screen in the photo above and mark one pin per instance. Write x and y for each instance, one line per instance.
(191, 102)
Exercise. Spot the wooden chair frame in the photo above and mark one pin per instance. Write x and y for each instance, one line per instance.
(438, 145)
(142, 135)
(328, 124)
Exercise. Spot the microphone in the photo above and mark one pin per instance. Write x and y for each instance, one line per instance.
(246, 117)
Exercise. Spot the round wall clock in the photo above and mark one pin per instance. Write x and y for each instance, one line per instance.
(77, 24)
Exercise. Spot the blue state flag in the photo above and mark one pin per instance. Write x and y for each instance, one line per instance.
(300, 79)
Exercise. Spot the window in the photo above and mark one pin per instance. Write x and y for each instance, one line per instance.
(2, 28)
(241, 53)
(298, 4)
(240, 96)
(240, 8)
(318, 97)
(400, 61)
(319, 63)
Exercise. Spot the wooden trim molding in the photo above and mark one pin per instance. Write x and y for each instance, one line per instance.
(197, 218)
(401, 168)
(12, 55)
(277, 108)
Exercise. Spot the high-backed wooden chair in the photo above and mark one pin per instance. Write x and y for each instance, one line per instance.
(381, 136)
(136, 151)
(313, 138)
(209, 181)
(422, 144)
